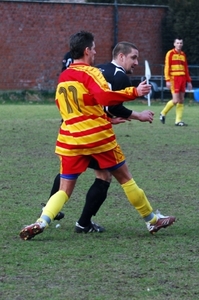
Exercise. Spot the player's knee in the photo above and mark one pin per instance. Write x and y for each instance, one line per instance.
(103, 175)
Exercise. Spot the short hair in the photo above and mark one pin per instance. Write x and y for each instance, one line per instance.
(123, 47)
(79, 42)
(178, 38)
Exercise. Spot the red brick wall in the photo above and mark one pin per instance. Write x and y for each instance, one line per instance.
(34, 37)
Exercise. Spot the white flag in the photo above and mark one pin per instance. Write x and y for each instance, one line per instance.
(147, 70)
(148, 76)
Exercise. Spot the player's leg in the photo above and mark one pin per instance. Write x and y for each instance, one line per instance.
(57, 200)
(55, 188)
(95, 197)
(52, 208)
(180, 104)
(135, 195)
(179, 114)
(138, 199)
(169, 105)
(67, 183)
(101, 184)
(165, 110)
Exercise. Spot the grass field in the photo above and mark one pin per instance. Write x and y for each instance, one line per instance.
(125, 262)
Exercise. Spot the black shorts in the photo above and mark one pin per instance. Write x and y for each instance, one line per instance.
(94, 164)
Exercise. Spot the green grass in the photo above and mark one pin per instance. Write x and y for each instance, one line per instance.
(125, 262)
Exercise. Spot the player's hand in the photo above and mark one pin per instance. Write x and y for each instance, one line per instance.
(146, 116)
(117, 120)
(189, 86)
(168, 85)
(143, 88)
(143, 116)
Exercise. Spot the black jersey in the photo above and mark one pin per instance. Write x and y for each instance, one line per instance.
(67, 60)
(118, 80)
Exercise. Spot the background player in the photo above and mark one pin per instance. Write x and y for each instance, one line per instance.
(176, 76)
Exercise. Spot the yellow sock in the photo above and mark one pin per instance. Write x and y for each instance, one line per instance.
(137, 198)
(53, 206)
(179, 112)
(167, 107)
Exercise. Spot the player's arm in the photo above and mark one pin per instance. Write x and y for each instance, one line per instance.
(117, 120)
(100, 91)
(143, 116)
(105, 96)
(188, 77)
(121, 112)
(118, 111)
(167, 69)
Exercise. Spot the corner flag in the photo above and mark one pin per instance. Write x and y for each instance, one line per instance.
(148, 76)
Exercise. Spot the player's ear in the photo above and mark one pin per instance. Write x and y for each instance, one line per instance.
(87, 50)
(121, 56)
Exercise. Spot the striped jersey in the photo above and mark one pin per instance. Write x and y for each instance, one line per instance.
(176, 65)
(81, 93)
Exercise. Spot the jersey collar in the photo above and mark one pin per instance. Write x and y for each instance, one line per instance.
(114, 63)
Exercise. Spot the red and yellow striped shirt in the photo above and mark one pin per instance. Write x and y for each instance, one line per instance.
(81, 93)
(176, 65)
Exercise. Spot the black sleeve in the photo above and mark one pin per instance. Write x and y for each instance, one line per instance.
(119, 82)
(67, 60)
(118, 111)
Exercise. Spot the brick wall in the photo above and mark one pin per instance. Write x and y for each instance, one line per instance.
(34, 37)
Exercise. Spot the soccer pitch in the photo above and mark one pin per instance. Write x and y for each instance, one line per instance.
(125, 262)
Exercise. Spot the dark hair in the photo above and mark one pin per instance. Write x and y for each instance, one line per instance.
(79, 42)
(178, 38)
(123, 47)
